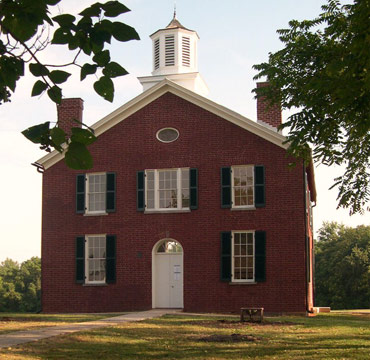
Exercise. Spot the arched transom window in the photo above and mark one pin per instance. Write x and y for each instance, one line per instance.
(169, 246)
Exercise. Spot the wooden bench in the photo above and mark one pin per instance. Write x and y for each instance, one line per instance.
(251, 312)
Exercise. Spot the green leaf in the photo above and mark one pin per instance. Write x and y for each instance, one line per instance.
(55, 94)
(58, 137)
(52, 2)
(58, 76)
(64, 20)
(105, 88)
(123, 32)
(82, 136)
(38, 88)
(78, 156)
(38, 69)
(114, 8)
(11, 69)
(62, 36)
(87, 69)
(102, 58)
(37, 133)
(113, 70)
(93, 10)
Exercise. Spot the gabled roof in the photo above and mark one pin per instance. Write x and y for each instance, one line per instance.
(154, 93)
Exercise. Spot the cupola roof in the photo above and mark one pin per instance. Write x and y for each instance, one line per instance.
(174, 24)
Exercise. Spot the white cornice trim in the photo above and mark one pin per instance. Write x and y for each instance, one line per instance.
(154, 93)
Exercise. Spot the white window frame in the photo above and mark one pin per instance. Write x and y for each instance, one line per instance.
(87, 239)
(233, 257)
(156, 190)
(233, 206)
(87, 211)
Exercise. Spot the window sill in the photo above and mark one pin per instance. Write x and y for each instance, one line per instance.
(243, 283)
(166, 211)
(96, 214)
(102, 284)
(243, 208)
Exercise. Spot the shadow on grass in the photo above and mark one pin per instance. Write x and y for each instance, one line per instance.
(177, 337)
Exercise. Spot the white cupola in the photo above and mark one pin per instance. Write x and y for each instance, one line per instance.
(175, 58)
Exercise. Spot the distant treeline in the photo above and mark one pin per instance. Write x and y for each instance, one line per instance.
(342, 264)
(20, 285)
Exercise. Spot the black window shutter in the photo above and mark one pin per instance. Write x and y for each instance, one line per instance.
(226, 256)
(140, 188)
(110, 259)
(226, 187)
(80, 193)
(259, 185)
(260, 256)
(80, 260)
(193, 181)
(111, 192)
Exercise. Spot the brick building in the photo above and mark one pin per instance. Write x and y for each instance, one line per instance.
(189, 204)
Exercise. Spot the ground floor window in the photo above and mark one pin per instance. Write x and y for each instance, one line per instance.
(243, 256)
(95, 258)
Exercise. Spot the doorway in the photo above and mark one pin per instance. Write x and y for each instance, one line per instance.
(167, 279)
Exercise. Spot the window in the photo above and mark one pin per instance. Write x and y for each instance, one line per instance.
(95, 193)
(169, 247)
(167, 135)
(242, 256)
(243, 187)
(96, 259)
(167, 189)
(95, 250)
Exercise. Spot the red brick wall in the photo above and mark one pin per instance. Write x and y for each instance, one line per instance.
(206, 142)
(70, 110)
(270, 114)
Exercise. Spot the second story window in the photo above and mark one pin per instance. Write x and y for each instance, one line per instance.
(243, 186)
(167, 189)
(95, 193)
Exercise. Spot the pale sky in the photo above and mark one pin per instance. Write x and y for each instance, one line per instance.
(234, 35)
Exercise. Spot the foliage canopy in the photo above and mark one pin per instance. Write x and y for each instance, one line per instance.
(342, 267)
(20, 285)
(25, 28)
(323, 72)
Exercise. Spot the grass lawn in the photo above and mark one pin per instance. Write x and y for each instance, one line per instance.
(326, 336)
(10, 322)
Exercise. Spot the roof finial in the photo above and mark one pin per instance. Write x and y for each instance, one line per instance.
(174, 11)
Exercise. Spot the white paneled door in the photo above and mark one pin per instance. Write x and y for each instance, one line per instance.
(168, 280)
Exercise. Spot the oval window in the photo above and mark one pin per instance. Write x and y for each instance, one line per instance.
(167, 135)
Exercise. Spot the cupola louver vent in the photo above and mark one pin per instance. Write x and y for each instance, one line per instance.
(185, 51)
(156, 54)
(170, 50)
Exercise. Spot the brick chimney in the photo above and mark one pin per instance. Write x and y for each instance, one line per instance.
(68, 111)
(266, 113)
